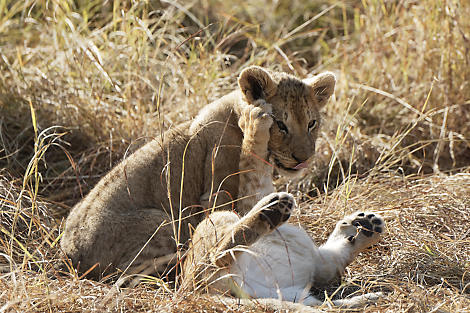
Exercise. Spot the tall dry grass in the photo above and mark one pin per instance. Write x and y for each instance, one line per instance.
(104, 77)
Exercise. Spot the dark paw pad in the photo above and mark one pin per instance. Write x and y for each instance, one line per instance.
(278, 209)
(273, 217)
(368, 225)
(376, 221)
(364, 225)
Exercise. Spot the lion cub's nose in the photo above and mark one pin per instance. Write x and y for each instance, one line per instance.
(299, 159)
(301, 162)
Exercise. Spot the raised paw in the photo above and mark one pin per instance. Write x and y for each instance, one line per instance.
(275, 209)
(269, 213)
(256, 119)
(361, 229)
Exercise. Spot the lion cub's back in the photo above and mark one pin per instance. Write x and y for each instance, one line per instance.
(137, 183)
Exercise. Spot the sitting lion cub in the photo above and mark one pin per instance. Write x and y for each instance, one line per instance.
(140, 213)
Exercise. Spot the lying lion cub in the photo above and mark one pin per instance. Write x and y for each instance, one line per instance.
(277, 261)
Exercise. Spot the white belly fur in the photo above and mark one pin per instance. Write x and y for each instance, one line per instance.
(279, 265)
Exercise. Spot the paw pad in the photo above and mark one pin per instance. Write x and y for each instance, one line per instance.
(277, 208)
(363, 226)
(368, 224)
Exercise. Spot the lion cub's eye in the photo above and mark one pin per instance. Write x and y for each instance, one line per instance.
(282, 127)
(312, 125)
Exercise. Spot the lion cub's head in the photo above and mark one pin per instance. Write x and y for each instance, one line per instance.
(295, 106)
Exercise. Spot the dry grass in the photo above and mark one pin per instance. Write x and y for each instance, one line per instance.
(115, 74)
(424, 258)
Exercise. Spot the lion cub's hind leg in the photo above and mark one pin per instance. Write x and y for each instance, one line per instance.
(216, 238)
(353, 234)
(361, 229)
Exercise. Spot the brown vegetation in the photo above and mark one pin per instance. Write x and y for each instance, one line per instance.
(83, 83)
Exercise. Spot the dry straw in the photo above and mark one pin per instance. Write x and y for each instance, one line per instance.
(81, 82)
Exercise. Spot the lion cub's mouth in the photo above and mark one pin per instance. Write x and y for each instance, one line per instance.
(294, 169)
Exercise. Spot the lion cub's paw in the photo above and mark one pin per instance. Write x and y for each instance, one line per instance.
(256, 118)
(361, 229)
(275, 209)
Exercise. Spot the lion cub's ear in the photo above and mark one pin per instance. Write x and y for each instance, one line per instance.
(322, 87)
(256, 83)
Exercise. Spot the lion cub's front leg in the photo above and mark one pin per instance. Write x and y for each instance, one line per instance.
(255, 171)
(215, 240)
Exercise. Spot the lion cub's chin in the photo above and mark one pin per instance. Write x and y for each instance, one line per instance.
(289, 172)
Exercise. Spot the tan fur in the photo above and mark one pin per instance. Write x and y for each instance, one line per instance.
(141, 211)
